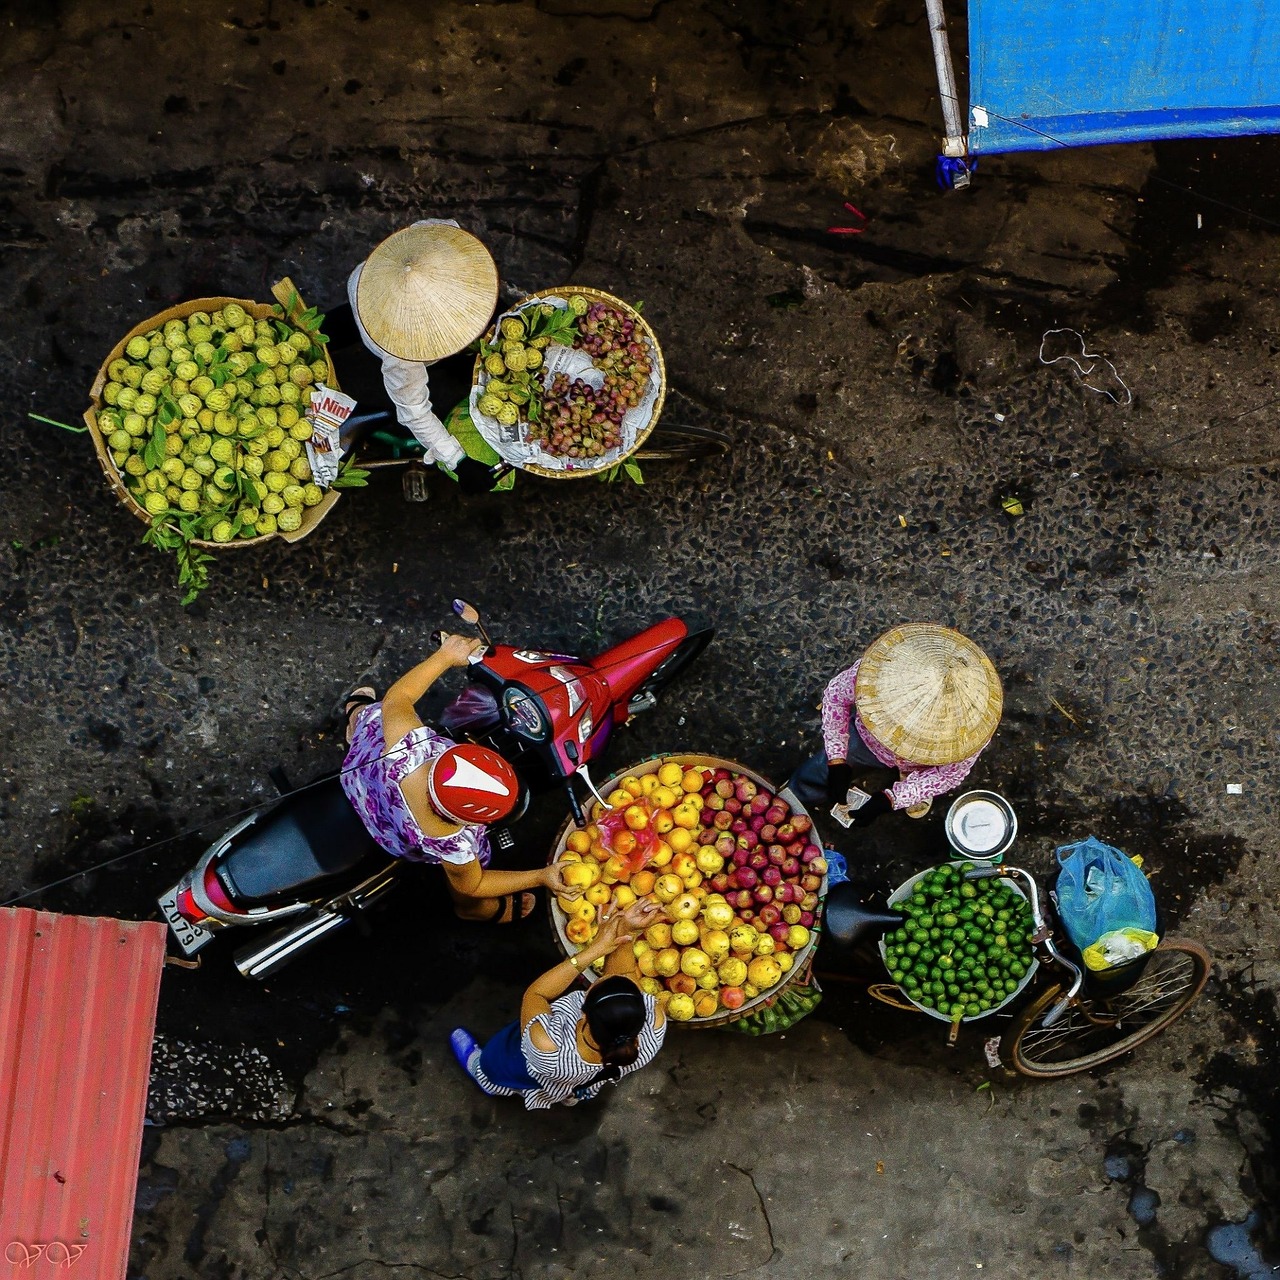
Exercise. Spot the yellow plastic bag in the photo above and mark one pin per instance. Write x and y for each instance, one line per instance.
(1118, 947)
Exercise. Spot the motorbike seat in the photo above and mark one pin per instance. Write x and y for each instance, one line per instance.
(304, 838)
(846, 922)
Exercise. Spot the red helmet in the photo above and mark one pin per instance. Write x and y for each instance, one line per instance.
(472, 784)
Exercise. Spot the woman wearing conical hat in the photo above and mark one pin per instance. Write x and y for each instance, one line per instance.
(422, 296)
(912, 715)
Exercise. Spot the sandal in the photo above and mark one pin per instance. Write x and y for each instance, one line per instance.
(364, 696)
(506, 912)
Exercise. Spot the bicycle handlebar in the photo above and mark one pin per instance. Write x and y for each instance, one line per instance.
(1043, 933)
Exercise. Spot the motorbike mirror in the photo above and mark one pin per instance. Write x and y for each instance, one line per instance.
(467, 612)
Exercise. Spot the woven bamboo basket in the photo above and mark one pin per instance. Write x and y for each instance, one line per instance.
(311, 516)
(802, 960)
(581, 467)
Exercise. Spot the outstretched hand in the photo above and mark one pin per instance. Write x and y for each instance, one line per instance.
(643, 913)
(459, 650)
(553, 879)
(612, 933)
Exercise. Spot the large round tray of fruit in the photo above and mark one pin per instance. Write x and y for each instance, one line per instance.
(737, 869)
(964, 948)
(198, 417)
(570, 382)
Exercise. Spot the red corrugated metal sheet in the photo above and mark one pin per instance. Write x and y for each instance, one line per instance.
(77, 1014)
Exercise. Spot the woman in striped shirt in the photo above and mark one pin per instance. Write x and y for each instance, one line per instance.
(568, 1044)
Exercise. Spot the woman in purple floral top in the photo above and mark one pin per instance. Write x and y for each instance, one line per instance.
(912, 715)
(386, 776)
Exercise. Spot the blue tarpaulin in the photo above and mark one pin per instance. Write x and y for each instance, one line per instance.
(1045, 74)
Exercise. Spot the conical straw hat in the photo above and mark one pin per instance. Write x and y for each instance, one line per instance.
(928, 693)
(426, 292)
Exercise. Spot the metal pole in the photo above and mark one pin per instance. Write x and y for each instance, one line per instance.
(955, 143)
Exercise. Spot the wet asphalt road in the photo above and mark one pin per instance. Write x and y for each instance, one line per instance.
(884, 393)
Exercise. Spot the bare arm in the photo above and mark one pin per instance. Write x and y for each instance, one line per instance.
(635, 920)
(474, 881)
(398, 714)
(555, 982)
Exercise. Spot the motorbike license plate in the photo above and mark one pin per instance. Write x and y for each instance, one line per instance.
(191, 937)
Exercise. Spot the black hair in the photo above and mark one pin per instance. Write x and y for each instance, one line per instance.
(616, 1013)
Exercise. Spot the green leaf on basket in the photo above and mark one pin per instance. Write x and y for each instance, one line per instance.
(633, 470)
(155, 453)
(350, 477)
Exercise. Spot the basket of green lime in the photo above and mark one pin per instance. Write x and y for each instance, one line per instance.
(963, 950)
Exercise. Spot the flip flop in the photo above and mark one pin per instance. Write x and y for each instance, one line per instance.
(506, 912)
(464, 1046)
(362, 696)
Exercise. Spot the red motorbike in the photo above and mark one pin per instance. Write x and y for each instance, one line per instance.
(307, 861)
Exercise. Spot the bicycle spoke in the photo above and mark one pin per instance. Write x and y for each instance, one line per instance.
(1081, 1037)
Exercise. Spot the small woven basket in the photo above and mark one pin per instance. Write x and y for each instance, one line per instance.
(311, 516)
(581, 466)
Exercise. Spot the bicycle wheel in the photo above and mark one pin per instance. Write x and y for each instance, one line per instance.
(669, 669)
(1173, 978)
(676, 443)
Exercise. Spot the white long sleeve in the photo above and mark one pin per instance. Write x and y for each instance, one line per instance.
(407, 385)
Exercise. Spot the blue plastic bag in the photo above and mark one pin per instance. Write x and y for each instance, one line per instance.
(1099, 890)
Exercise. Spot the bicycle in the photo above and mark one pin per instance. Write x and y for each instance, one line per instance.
(1073, 1019)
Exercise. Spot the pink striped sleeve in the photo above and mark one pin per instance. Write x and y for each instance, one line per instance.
(837, 708)
(931, 780)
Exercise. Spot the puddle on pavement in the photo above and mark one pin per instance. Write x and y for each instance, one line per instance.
(1232, 1245)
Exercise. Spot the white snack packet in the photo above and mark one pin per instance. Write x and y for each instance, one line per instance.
(329, 410)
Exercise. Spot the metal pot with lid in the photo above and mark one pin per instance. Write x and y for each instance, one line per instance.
(981, 825)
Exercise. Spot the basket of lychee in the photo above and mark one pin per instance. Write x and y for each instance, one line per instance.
(569, 382)
(736, 868)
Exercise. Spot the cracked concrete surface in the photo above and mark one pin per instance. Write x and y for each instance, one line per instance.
(883, 392)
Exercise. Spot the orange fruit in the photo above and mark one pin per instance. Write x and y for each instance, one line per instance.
(663, 822)
(705, 1003)
(692, 780)
(642, 883)
(632, 786)
(577, 930)
(661, 854)
(636, 816)
(578, 841)
(598, 851)
(682, 984)
(624, 843)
